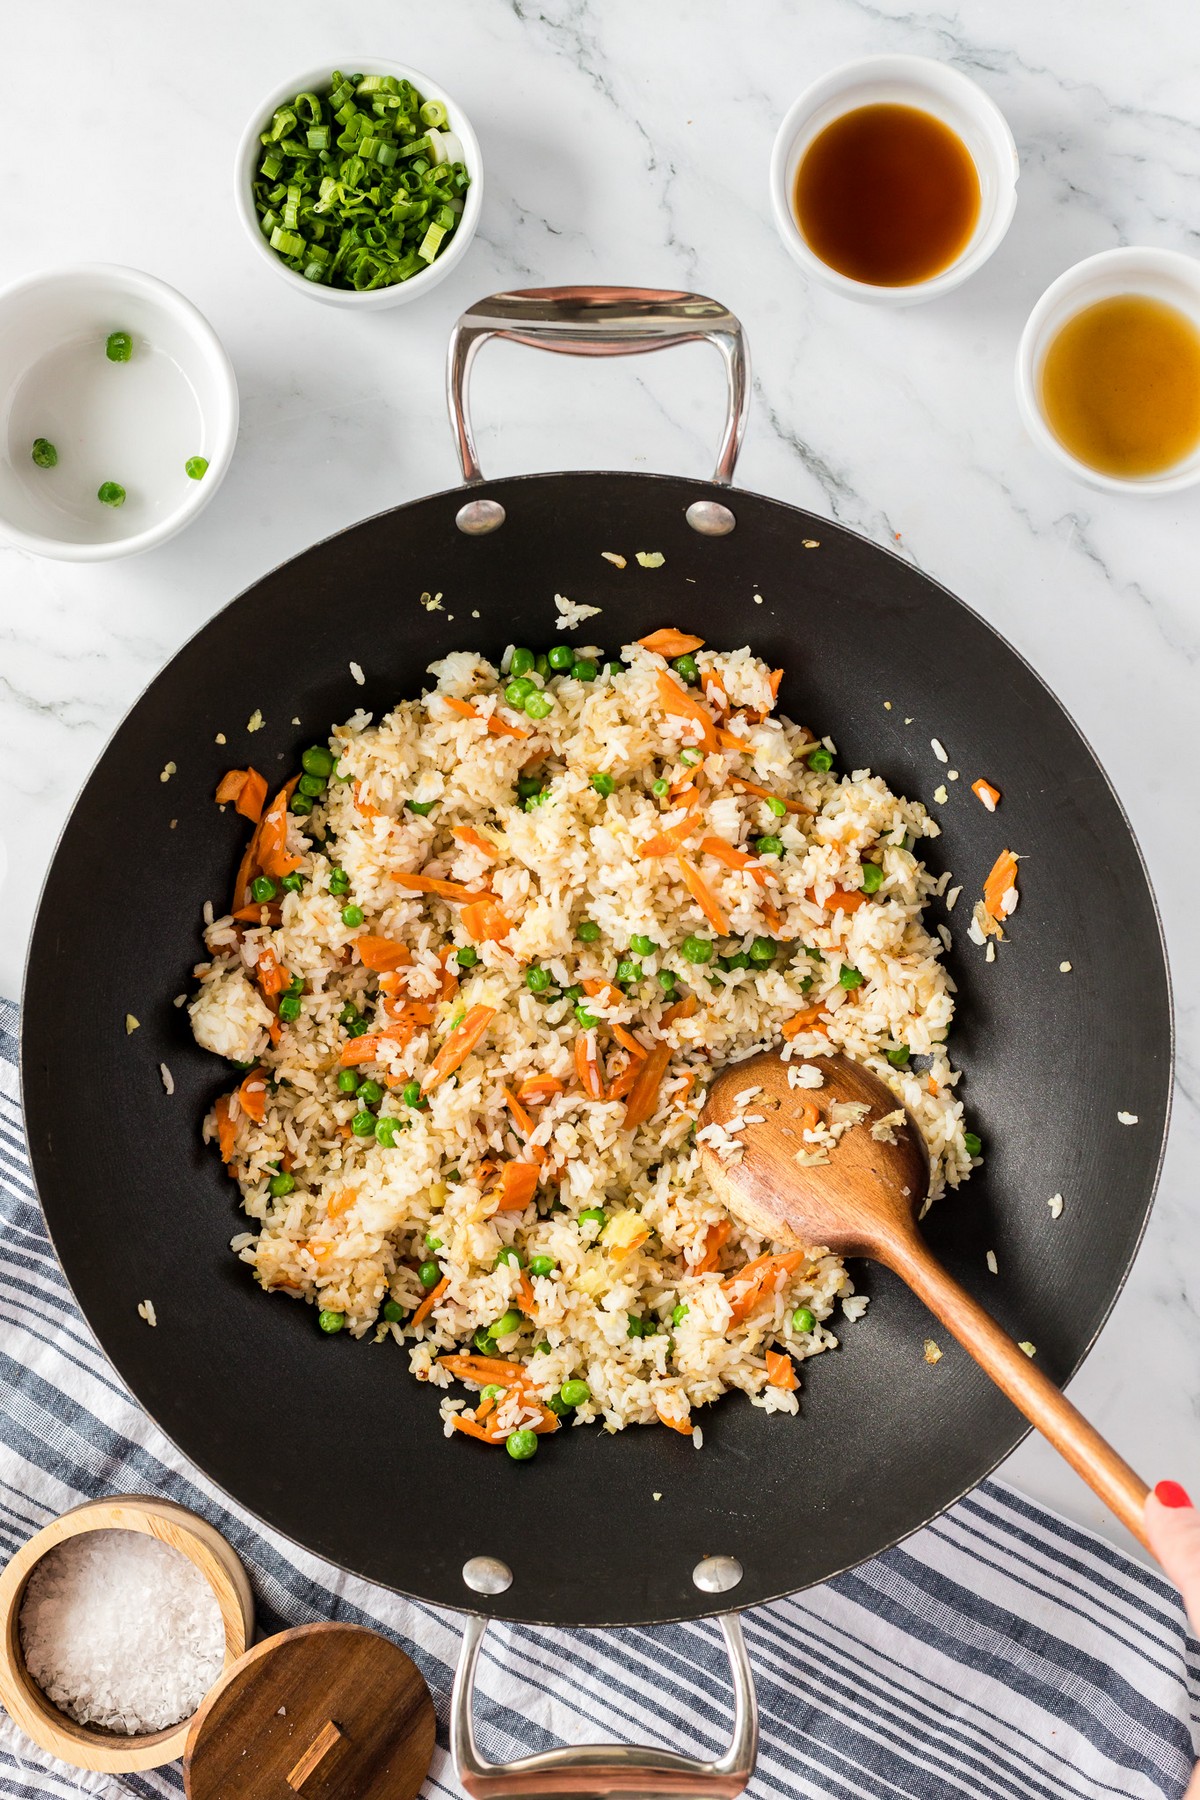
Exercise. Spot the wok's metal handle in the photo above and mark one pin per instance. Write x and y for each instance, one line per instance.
(595, 1771)
(599, 321)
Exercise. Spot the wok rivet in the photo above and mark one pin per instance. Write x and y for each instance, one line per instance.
(487, 1575)
(717, 1574)
(710, 518)
(477, 517)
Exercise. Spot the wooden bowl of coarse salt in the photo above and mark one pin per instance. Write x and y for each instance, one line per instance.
(118, 1619)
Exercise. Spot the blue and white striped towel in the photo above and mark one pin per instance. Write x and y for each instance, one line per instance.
(1001, 1652)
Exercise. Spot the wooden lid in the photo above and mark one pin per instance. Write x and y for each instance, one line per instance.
(324, 1712)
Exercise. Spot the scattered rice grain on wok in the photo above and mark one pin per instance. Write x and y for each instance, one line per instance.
(477, 991)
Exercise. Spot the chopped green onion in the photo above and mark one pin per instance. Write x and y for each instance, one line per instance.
(660, 787)
(118, 346)
(433, 114)
(44, 454)
(196, 467)
(110, 493)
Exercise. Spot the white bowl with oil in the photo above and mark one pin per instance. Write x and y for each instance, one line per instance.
(135, 423)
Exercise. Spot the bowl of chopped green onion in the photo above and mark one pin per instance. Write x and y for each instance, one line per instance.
(360, 185)
(119, 413)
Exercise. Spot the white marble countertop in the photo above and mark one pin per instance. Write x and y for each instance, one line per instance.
(629, 142)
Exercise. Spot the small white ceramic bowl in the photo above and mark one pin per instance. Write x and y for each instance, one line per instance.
(900, 81)
(1162, 275)
(136, 423)
(249, 154)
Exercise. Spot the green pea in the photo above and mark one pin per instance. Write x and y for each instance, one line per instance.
(872, 878)
(410, 1093)
(118, 346)
(695, 949)
(806, 983)
(541, 666)
(312, 785)
(348, 1013)
(769, 846)
(541, 1265)
(352, 915)
(587, 931)
(537, 980)
(628, 970)
(687, 667)
(282, 1184)
(762, 950)
(613, 668)
(370, 1093)
(586, 1017)
(739, 960)
(339, 881)
(850, 978)
(432, 1242)
(558, 1405)
(300, 803)
(467, 957)
(363, 1124)
(522, 662)
(972, 1144)
(357, 1027)
(289, 1008)
(803, 1319)
(816, 955)
(263, 888)
(317, 760)
(393, 1312)
(528, 785)
(821, 760)
(561, 657)
(507, 1323)
(348, 1081)
(690, 758)
(110, 493)
(507, 1255)
(574, 1393)
(44, 454)
(593, 1215)
(636, 1327)
(679, 1313)
(542, 1349)
(539, 706)
(422, 808)
(294, 884)
(196, 468)
(641, 945)
(330, 1321)
(517, 692)
(536, 800)
(776, 806)
(583, 669)
(493, 1391)
(386, 1130)
(521, 1445)
(484, 1342)
(898, 1057)
(666, 980)
(660, 787)
(429, 1274)
(603, 784)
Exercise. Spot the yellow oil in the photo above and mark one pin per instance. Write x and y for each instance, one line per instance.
(1120, 385)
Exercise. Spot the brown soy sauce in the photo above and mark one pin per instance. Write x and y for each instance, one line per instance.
(887, 194)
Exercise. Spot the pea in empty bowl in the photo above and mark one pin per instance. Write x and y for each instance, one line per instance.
(79, 416)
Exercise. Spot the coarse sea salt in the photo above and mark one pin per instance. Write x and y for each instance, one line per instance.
(121, 1631)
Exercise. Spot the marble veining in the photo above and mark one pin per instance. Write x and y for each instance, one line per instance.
(629, 143)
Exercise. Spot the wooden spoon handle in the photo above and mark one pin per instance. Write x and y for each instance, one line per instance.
(1032, 1392)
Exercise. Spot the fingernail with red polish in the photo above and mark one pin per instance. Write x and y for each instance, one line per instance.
(1171, 1494)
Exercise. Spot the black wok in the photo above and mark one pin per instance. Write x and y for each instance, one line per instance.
(330, 1441)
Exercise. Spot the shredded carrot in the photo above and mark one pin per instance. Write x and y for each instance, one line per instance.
(467, 834)
(1002, 879)
(775, 677)
(729, 740)
(621, 1084)
(360, 1049)
(847, 900)
(517, 1186)
(714, 693)
(686, 1008)
(253, 914)
(604, 991)
(231, 785)
(670, 642)
(773, 916)
(497, 727)
(430, 1301)
(643, 1095)
(670, 843)
(363, 806)
(463, 708)
(484, 921)
(475, 1428)
(681, 1094)
(341, 1202)
(986, 793)
(458, 1046)
(538, 1089)
(588, 1068)
(520, 1116)
(704, 897)
(808, 1020)
(248, 791)
(432, 884)
(270, 974)
(252, 1095)
(810, 1115)
(742, 786)
(781, 1370)
(733, 858)
(627, 1039)
(226, 1128)
(483, 1369)
(681, 705)
(932, 1084)
(271, 835)
(715, 1239)
(381, 954)
(274, 1031)
(752, 1284)
(448, 957)
(683, 1425)
(525, 1298)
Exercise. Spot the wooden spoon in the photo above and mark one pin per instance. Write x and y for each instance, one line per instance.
(864, 1202)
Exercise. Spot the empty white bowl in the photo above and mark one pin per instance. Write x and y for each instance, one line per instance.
(249, 155)
(1161, 275)
(900, 81)
(135, 423)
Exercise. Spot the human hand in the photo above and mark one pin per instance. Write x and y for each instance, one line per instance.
(1173, 1528)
